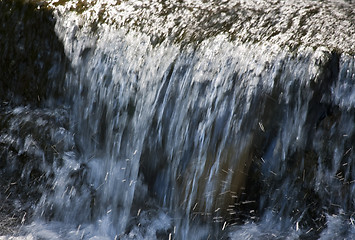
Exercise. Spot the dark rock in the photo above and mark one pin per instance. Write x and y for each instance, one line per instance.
(32, 62)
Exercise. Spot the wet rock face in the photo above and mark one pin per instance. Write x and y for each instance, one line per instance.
(32, 70)
(33, 143)
(290, 24)
(32, 59)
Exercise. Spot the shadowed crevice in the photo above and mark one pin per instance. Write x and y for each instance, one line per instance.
(32, 63)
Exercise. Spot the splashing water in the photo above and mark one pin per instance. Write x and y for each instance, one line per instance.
(164, 134)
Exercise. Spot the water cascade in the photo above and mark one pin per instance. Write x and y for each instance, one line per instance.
(177, 120)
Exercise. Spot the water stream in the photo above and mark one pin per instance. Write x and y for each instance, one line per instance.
(170, 129)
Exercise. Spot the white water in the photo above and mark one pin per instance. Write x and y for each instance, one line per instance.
(166, 135)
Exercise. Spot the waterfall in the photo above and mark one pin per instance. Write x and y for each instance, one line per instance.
(165, 127)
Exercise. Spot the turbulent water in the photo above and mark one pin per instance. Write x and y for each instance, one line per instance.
(180, 120)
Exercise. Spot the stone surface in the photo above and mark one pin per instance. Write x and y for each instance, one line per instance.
(32, 63)
(290, 24)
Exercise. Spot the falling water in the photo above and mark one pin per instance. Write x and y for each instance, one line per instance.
(170, 129)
